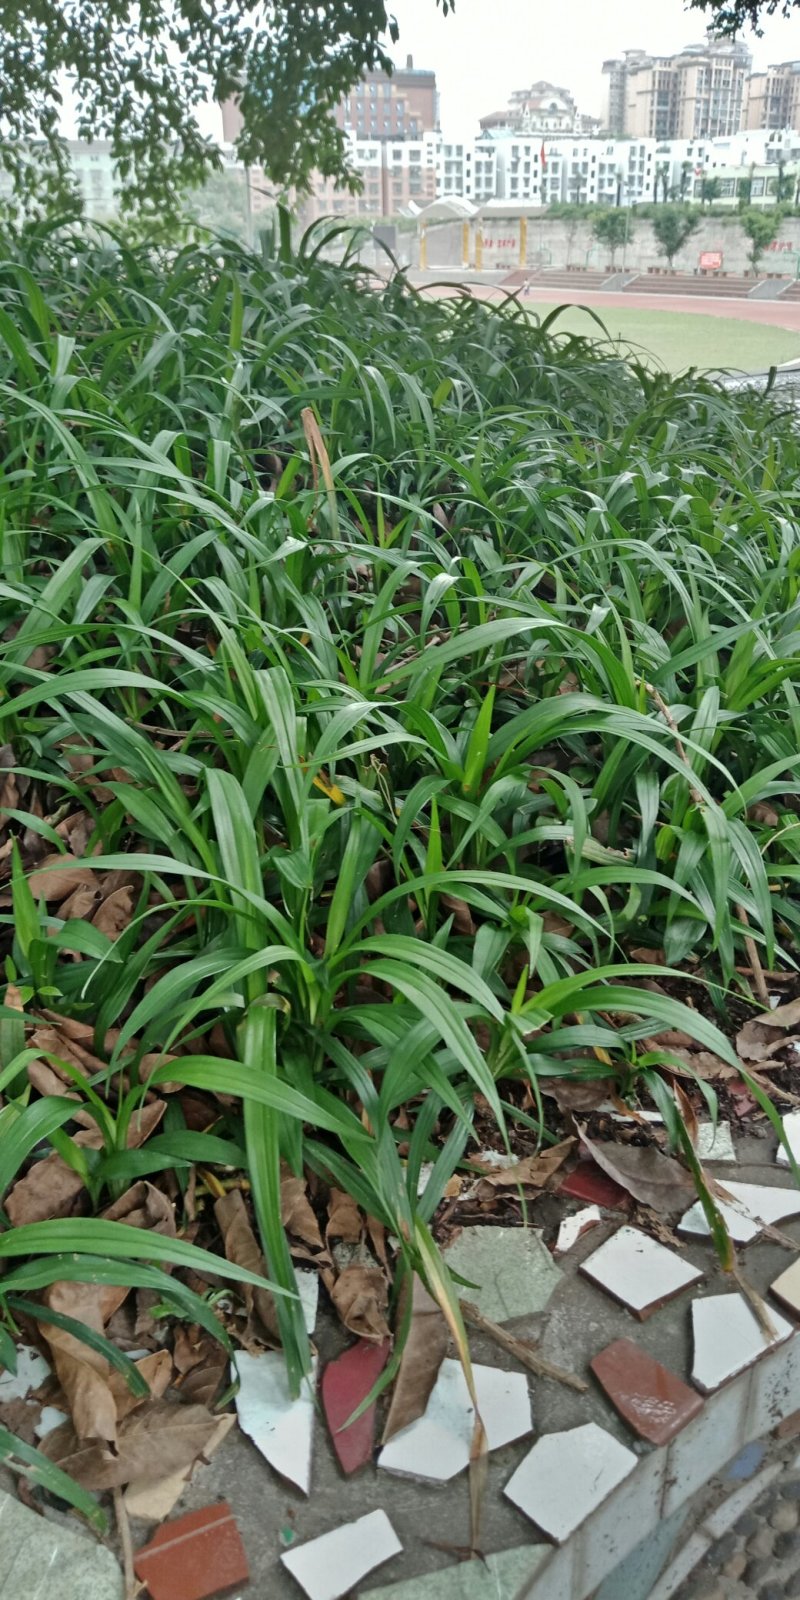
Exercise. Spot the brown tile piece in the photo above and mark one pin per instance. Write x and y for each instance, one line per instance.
(651, 1399)
(196, 1556)
(587, 1182)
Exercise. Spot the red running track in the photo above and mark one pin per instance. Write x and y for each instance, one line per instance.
(774, 313)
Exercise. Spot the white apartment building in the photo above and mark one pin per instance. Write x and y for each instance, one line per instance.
(541, 171)
(468, 168)
(742, 154)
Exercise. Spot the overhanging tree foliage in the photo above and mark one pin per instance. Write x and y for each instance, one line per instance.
(139, 70)
(731, 16)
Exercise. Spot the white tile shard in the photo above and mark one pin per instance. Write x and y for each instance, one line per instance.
(334, 1563)
(791, 1128)
(715, 1143)
(750, 1206)
(437, 1446)
(280, 1427)
(571, 1229)
(728, 1337)
(568, 1475)
(308, 1290)
(638, 1271)
(32, 1369)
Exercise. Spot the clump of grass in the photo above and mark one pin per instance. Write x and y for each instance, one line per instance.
(413, 666)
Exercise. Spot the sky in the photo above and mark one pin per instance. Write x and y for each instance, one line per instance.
(488, 47)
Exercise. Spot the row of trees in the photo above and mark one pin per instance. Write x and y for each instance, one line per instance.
(787, 187)
(674, 226)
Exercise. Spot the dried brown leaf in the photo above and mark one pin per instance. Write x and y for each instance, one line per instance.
(114, 913)
(156, 1369)
(423, 1353)
(59, 875)
(80, 904)
(242, 1248)
(49, 1189)
(461, 914)
(761, 1037)
(700, 1064)
(202, 1363)
(153, 1499)
(144, 1206)
(785, 1016)
(532, 1173)
(21, 1417)
(652, 1178)
(344, 1218)
(360, 1295)
(296, 1214)
(579, 1094)
(83, 1373)
(158, 1434)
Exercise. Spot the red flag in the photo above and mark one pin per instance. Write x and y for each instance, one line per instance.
(543, 158)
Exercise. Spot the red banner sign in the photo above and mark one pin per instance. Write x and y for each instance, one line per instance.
(710, 260)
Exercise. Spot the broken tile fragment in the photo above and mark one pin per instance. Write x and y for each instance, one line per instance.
(333, 1564)
(32, 1369)
(568, 1475)
(572, 1228)
(346, 1382)
(194, 1557)
(786, 1288)
(652, 1400)
(39, 1558)
(728, 1338)
(437, 1446)
(497, 1577)
(791, 1128)
(49, 1418)
(279, 1426)
(588, 1182)
(638, 1271)
(715, 1143)
(750, 1206)
(513, 1272)
(308, 1290)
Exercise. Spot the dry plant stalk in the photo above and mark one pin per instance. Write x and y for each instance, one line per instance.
(520, 1349)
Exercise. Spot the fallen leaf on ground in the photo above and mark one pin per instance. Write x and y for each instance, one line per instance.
(699, 1063)
(50, 1188)
(242, 1248)
(144, 1206)
(80, 904)
(21, 1418)
(424, 1351)
(579, 1094)
(297, 1216)
(114, 913)
(761, 1036)
(201, 1362)
(83, 1373)
(173, 1436)
(156, 1369)
(153, 1499)
(344, 1218)
(360, 1295)
(58, 875)
(652, 1178)
(532, 1173)
(463, 923)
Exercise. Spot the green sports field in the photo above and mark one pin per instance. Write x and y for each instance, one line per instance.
(676, 340)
